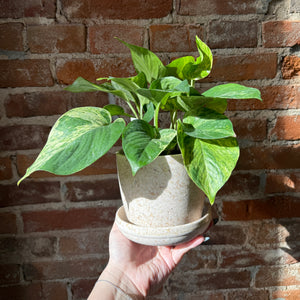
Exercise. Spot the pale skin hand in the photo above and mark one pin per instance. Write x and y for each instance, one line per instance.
(138, 270)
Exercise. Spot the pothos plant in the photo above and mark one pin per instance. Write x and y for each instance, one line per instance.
(198, 129)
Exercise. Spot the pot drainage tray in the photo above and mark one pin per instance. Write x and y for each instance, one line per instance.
(163, 236)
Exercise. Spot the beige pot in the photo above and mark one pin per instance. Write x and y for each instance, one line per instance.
(161, 194)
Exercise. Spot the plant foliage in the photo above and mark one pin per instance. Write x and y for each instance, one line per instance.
(203, 134)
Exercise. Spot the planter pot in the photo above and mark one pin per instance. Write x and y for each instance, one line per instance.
(161, 194)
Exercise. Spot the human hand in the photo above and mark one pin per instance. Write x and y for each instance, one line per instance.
(141, 270)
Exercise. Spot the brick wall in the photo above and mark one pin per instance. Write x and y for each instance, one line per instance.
(54, 230)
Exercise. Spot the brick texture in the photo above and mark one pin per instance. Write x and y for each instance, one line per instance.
(11, 37)
(287, 128)
(290, 67)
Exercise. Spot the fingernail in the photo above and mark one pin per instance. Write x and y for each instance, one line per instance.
(215, 220)
(206, 239)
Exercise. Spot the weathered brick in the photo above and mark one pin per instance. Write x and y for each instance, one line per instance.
(219, 7)
(274, 97)
(249, 294)
(30, 8)
(83, 243)
(92, 190)
(282, 183)
(275, 157)
(21, 137)
(5, 168)
(68, 71)
(27, 72)
(35, 221)
(241, 184)
(9, 273)
(35, 291)
(270, 207)
(244, 67)
(50, 103)
(210, 281)
(281, 33)
(174, 37)
(58, 38)
(102, 37)
(285, 294)
(250, 129)
(11, 37)
(290, 67)
(132, 9)
(76, 268)
(286, 128)
(231, 34)
(29, 193)
(278, 276)
(8, 223)
(105, 165)
(81, 288)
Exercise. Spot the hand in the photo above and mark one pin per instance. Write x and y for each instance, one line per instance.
(143, 268)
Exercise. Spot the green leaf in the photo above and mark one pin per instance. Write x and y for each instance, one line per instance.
(146, 61)
(233, 91)
(116, 110)
(148, 116)
(209, 163)
(82, 85)
(207, 124)
(77, 139)
(142, 143)
(175, 68)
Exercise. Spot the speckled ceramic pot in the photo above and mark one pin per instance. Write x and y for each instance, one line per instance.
(161, 194)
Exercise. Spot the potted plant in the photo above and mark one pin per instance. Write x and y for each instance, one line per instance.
(200, 139)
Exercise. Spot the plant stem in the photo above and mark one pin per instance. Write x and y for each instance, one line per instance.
(133, 110)
(156, 116)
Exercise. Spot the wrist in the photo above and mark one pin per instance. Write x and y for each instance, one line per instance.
(121, 282)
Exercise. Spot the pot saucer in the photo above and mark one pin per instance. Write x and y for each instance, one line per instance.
(163, 236)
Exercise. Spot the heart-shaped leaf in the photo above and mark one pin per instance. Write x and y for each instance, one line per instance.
(77, 139)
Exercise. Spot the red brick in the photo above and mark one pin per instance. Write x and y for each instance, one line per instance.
(275, 157)
(58, 38)
(75, 268)
(68, 71)
(5, 168)
(11, 37)
(278, 276)
(131, 9)
(102, 37)
(241, 184)
(281, 33)
(244, 67)
(29, 193)
(9, 273)
(210, 281)
(282, 183)
(250, 129)
(231, 34)
(286, 128)
(174, 37)
(105, 165)
(75, 218)
(21, 137)
(82, 288)
(35, 291)
(30, 8)
(219, 7)
(8, 223)
(249, 294)
(270, 207)
(290, 67)
(92, 190)
(28, 72)
(83, 243)
(50, 103)
(274, 97)
(286, 294)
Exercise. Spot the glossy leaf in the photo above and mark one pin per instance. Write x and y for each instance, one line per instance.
(116, 110)
(78, 138)
(207, 124)
(233, 91)
(209, 163)
(175, 68)
(83, 85)
(142, 143)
